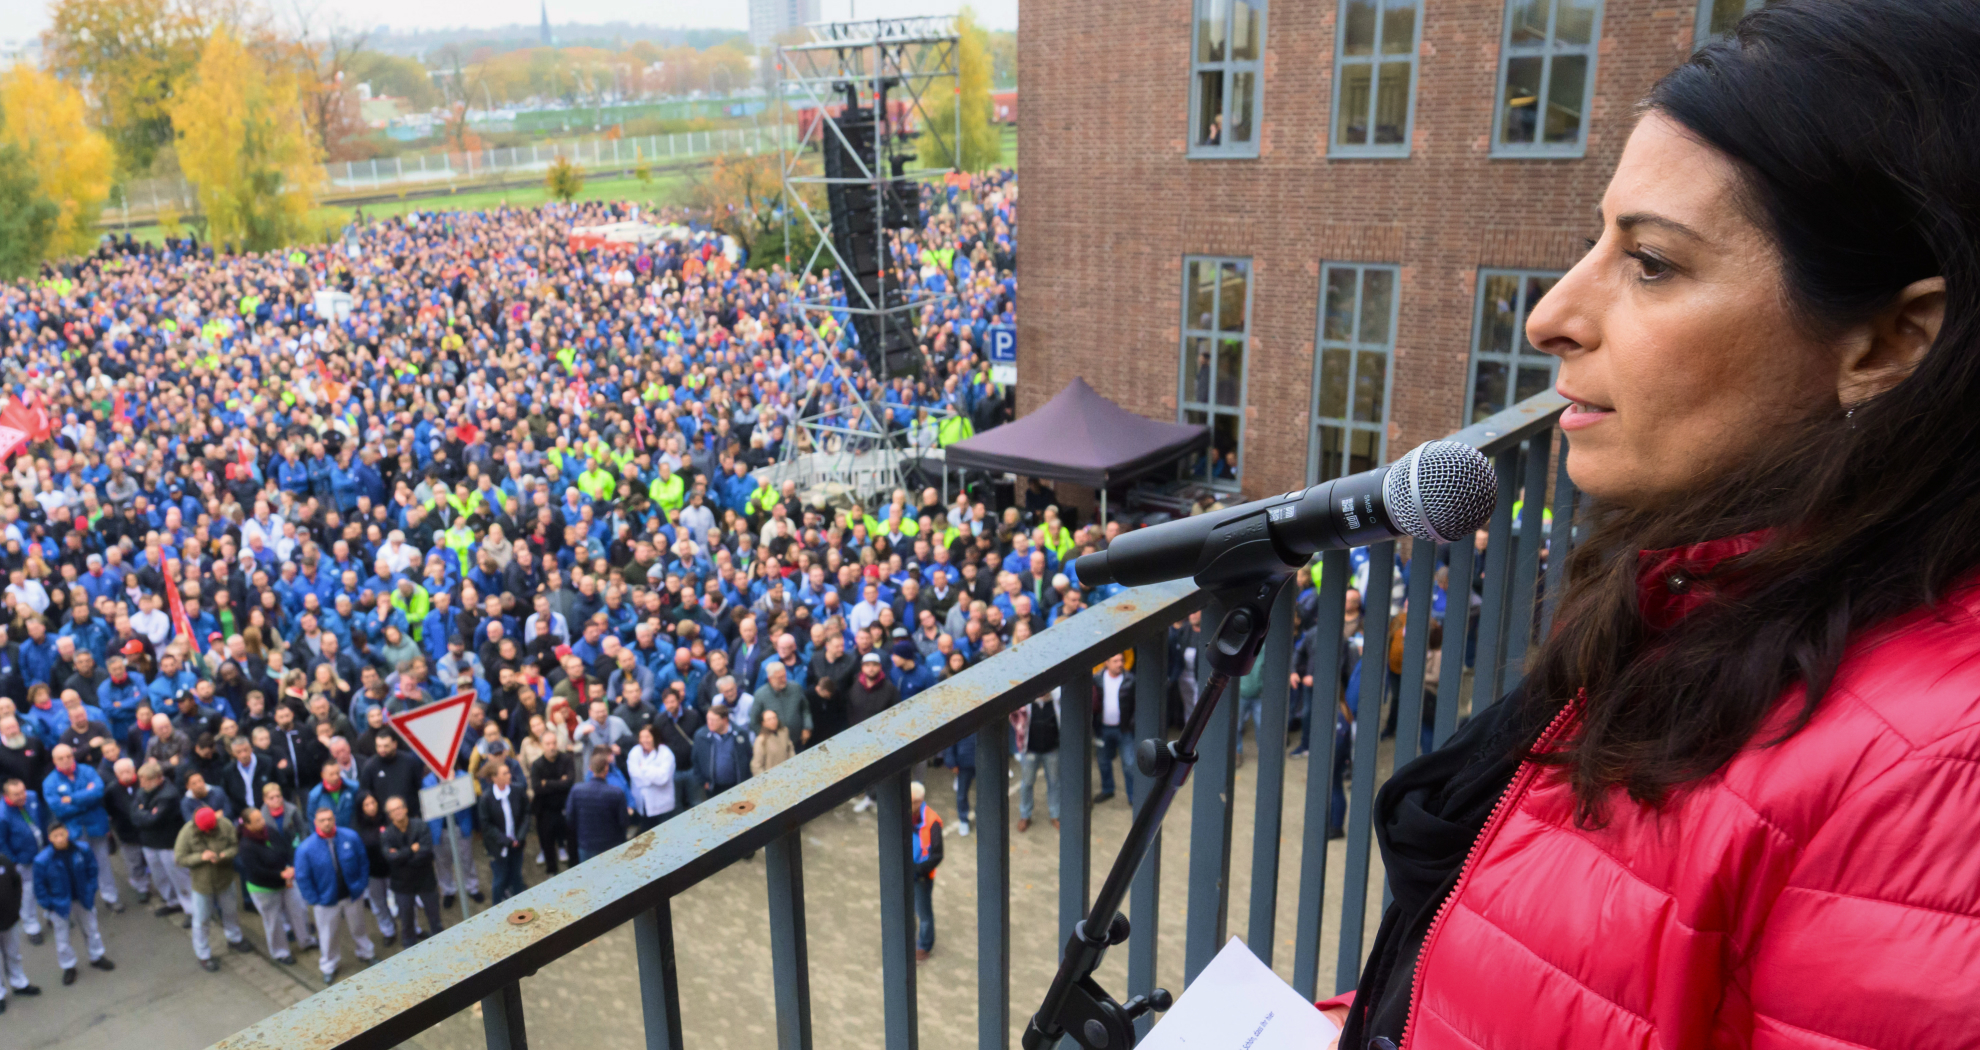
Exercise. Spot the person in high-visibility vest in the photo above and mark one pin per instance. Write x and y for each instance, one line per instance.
(762, 499)
(953, 429)
(597, 483)
(668, 491)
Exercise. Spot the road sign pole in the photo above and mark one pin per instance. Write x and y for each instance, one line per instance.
(460, 870)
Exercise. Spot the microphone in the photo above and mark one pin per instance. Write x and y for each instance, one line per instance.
(1438, 491)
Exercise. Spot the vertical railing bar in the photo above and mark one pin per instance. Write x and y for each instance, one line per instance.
(1457, 611)
(1268, 816)
(1325, 663)
(1210, 811)
(1498, 575)
(790, 961)
(1075, 799)
(1420, 586)
(1560, 541)
(1151, 712)
(993, 887)
(1367, 738)
(1522, 600)
(897, 920)
(659, 984)
(502, 1019)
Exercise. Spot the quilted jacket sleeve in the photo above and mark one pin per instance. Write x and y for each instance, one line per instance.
(1875, 939)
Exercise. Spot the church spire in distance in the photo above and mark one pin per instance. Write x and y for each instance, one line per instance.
(545, 5)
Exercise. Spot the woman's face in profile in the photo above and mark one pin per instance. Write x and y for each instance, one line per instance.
(1675, 334)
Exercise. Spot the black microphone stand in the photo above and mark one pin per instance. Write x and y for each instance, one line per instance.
(1076, 1005)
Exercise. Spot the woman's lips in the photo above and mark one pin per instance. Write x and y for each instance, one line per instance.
(1582, 414)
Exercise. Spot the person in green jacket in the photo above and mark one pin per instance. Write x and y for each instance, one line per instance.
(206, 847)
(668, 491)
(597, 483)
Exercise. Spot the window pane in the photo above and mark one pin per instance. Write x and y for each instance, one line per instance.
(1330, 454)
(1245, 23)
(1241, 93)
(1522, 99)
(1725, 15)
(1333, 384)
(1199, 466)
(1392, 103)
(1574, 21)
(1564, 94)
(1201, 295)
(1533, 379)
(1224, 444)
(1230, 309)
(1488, 393)
(1351, 123)
(1370, 375)
(1378, 289)
(1339, 326)
(1535, 288)
(1211, 16)
(1399, 27)
(1200, 368)
(1529, 23)
(1210, 108)
(1358, 28)
(1364, 450)
(1500, 292)
(1230, 371)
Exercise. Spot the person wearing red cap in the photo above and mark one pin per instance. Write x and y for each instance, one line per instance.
(206, 848)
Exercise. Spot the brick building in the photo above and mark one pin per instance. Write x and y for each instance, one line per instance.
(1199, 175)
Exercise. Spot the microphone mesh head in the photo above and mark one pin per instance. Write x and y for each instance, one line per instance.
(1441, 490)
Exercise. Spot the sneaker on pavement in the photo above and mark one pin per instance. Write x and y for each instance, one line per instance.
(240, 946)
(103, 964)
(210, 965)
(69, 975)
(475, 896)
(166, 909)
(144, 897)
(35, 938)
(1024, 824)
(286, 960)
(32, 989)
(962, 828)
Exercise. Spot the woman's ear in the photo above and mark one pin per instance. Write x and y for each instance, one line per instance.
(1893, 343)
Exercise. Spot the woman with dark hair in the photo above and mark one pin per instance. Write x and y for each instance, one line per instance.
(1733, 803)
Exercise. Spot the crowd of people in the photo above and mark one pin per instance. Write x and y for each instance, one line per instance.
(240, 533)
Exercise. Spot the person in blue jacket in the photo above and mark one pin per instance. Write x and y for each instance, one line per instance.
(331, 875)
(74, 793)
(65, 883)
(23, 829)
(334, 794)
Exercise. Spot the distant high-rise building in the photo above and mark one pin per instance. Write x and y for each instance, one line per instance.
(547, 38)
(769, 19)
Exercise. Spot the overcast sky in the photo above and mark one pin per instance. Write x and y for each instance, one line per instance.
(25, 18)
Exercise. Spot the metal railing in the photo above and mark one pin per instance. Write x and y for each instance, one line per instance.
(485, 959)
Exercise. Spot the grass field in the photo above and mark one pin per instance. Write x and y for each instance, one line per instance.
(666, 188)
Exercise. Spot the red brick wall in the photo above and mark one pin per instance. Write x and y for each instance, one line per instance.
(1112, 204)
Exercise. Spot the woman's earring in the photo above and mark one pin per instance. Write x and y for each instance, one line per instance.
(1849, 417)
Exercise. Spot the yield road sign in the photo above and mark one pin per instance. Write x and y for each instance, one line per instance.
(434, 731)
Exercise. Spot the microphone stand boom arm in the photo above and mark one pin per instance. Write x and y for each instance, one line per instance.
(1076, 1005)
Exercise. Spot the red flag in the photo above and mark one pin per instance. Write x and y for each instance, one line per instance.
(27, 414)
(180, 621)
(11, 441)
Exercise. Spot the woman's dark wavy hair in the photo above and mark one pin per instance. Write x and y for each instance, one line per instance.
(1855, 126)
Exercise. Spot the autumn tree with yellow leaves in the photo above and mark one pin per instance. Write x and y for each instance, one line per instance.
(69, 160)
(245, 144)
(981, 144)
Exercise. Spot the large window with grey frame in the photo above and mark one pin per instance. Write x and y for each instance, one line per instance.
(1546, 77)
(1375, 77)
(1505, 368)
(1216, 341)
(1227, 77)
(1351, 372)
(1716, 18)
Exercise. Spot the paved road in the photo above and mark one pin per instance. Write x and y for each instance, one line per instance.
(159, 999)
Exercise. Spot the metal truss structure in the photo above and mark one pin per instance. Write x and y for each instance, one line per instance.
(866, 86)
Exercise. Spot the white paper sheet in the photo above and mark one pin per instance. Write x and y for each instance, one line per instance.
(1238, 1003)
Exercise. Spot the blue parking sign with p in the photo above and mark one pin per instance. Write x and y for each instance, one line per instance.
(1003, 343)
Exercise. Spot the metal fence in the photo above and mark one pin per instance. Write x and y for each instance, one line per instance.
(146, 198)
(486, 958)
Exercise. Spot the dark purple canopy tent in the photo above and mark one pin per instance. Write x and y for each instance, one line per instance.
(1080, 437)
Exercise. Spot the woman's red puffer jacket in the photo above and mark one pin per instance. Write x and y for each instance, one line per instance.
(1822, 894)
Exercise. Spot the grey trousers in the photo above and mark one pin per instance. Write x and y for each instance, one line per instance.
(282, 912)
(58, 926)
(228, 904)
(174, 883)
(13, 970)
(30, 911)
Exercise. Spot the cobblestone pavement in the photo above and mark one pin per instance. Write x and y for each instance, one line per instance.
(590, 999)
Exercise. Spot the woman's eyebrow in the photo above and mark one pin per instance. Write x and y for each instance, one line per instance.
(1631, 220)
